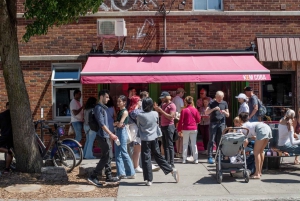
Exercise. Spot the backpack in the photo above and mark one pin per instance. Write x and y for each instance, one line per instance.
(262, 110)
(93, 124)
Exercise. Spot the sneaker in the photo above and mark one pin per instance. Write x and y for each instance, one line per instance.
(148, 183)
(184, 161)
(94, 181)
(196, 161)
(131, 177)
(210, 160)
(172, 165)
(122, 177)
(138, 170)
(190, 158)
(155, 168)
(112, 180)
(175, 175)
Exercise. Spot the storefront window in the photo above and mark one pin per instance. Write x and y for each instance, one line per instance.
(65, 80)
(277, 95)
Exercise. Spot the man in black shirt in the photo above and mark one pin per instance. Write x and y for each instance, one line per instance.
(218, 111)
(6, 137)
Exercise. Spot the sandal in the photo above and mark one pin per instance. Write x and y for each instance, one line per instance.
(6, 171)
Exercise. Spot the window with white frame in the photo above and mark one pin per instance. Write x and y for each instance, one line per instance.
(208, 4)
(65, 80)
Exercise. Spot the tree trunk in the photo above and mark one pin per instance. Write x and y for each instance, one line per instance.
(27, 155)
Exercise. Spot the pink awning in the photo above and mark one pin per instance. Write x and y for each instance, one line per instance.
(173, 68)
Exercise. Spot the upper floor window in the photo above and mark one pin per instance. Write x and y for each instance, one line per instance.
(208, 4)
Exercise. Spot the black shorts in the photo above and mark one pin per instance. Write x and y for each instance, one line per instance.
(6, 142)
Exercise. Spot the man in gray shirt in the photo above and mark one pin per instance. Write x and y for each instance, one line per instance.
(252, 103)
(103, 137)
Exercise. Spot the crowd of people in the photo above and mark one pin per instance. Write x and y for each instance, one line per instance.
(138, 128)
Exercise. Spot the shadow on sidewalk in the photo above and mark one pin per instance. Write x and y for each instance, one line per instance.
(281, 181)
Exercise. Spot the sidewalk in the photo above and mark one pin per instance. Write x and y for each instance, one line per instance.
(198, 182)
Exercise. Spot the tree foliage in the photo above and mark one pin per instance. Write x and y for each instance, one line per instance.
(49, 13)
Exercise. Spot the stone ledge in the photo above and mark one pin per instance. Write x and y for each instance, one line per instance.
(190, 13)
(54, 174)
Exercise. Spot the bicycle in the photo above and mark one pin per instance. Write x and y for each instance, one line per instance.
(73, 144)
(61, 154)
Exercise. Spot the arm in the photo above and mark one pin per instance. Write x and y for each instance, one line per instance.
(168, 116)
(291, 133)
(208, 110)
(100, 119)
(226, 112)
(198, 117)
(255, 109)
(121, 123)
(179, 126)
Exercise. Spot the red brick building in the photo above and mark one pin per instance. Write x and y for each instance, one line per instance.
(198, 26)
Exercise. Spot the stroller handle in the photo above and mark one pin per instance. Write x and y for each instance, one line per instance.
(226, 129)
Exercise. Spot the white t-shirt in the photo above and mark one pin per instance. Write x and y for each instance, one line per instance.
(244, 108)
(285, 136)
(178, 102)
(251, 126)
(75, 105)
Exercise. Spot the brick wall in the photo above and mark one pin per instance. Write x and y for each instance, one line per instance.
(37, 76)
(228, 5)
(261, 5)
(185, 32)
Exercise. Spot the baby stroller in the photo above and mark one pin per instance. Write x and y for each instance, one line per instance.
(231, 147)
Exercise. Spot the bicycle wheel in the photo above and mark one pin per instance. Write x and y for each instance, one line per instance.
(65, 157)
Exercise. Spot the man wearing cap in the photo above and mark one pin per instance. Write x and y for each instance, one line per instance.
(242, 99)
(167, 112)
(252, 103)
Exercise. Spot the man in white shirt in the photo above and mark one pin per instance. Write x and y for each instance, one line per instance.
(178, 101)
(77, 115)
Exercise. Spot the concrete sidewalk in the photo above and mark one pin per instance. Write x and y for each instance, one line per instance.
(198, 182)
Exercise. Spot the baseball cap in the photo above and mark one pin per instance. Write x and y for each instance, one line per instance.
(180, 90)
(248, 89)
(242, 95)
(164, 94)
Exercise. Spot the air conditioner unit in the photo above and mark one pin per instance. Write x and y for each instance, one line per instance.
(111, 27)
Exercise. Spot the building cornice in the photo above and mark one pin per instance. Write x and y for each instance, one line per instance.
(81, 57)
(189, 13)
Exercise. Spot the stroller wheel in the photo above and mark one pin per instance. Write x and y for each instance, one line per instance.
(219, 177)
(246, 176)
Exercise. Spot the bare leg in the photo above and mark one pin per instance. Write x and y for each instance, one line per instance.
(262, 155)
(136, 155)
(8, 157)
(296, 162)
(8, 160)
(257, 154)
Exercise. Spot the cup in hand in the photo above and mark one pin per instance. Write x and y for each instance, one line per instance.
(117, 141)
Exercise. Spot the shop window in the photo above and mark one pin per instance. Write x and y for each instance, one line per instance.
(208, 4)
(65, 80)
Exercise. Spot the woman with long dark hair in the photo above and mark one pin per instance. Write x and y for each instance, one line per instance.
(147, 122)
(125, 168)
(90, 135)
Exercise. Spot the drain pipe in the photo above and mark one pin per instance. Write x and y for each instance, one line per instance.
(165, 32)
